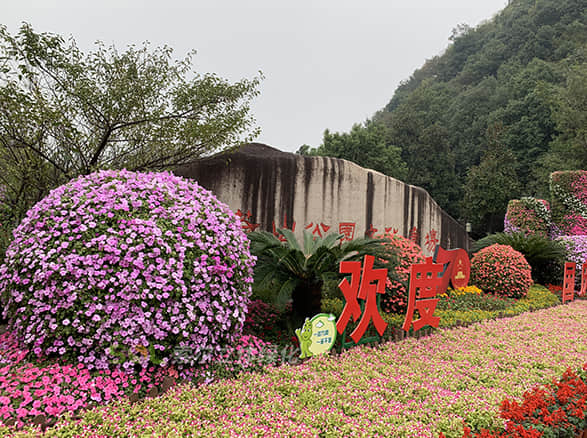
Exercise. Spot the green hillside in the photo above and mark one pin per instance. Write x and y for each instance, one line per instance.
(490, 118)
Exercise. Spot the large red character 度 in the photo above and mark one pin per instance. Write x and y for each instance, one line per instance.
(426, 280)
(365, 284)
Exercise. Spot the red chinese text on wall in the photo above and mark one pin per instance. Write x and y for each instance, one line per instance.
(431, 240)
(277, 234)
(246, 223)
(348, 230)
(318, 228)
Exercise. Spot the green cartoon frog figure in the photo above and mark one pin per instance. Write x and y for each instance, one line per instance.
(305, 337)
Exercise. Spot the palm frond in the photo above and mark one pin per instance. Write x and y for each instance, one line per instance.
(290, 238)
(284, 294)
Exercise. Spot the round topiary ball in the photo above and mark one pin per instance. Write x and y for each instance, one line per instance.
(408, 253)
(501, 270)
(121, 268)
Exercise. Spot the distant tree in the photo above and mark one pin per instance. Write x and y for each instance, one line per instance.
(366, 145)
(569, 103)
(489, 186)
(304, 149)
(65, 113)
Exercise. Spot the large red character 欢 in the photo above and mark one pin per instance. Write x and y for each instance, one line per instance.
(426, 279)
(365, 284)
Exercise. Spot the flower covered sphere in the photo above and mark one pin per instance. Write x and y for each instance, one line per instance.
(501, 270)
(119, 268)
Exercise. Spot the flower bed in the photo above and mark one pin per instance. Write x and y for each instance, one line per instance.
(413, 388)
(554, 410)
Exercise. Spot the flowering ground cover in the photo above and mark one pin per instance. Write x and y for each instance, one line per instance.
(413, 388)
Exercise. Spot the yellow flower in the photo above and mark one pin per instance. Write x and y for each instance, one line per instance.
(142, 350)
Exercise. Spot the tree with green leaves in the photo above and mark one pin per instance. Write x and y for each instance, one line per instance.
(64, 112)
(366, 145)
(490, 185)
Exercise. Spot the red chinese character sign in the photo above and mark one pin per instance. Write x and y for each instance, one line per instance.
(569, 282)
(583, 291)
(365, 284)
(426, 281)
(456, 267)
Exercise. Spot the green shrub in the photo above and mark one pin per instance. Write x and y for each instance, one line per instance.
(546, 257)
(501, 270)
(539, 297)
(472, 298)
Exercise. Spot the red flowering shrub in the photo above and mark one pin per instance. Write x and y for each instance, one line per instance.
(396, 291)
(528, 215)
(501, 270)
(265, 321)
(555, 410)
(568, 191)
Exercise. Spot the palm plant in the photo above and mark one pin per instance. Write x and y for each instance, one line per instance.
(298, 272)
(545, 256)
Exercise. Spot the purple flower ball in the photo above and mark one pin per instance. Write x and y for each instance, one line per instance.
(119, 266)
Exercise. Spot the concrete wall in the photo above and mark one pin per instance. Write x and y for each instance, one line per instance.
(271, 189)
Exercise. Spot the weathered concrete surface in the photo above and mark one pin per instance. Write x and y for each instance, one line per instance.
(281, 189)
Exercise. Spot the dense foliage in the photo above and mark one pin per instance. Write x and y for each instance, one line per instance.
(367, 145)
(546, 257)
(576, 248)
(501, 270)
(396, 289)
(529, 216)
(518, 80)
(67, 113)
(472, 298)
(297, 272)
(569, 202)
(120, 268)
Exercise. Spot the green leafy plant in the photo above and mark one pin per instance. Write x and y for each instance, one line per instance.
(67, 113)
(472, 298)
(545, 256)
(298, 272)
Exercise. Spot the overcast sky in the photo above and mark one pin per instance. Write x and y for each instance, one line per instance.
(327, 63)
